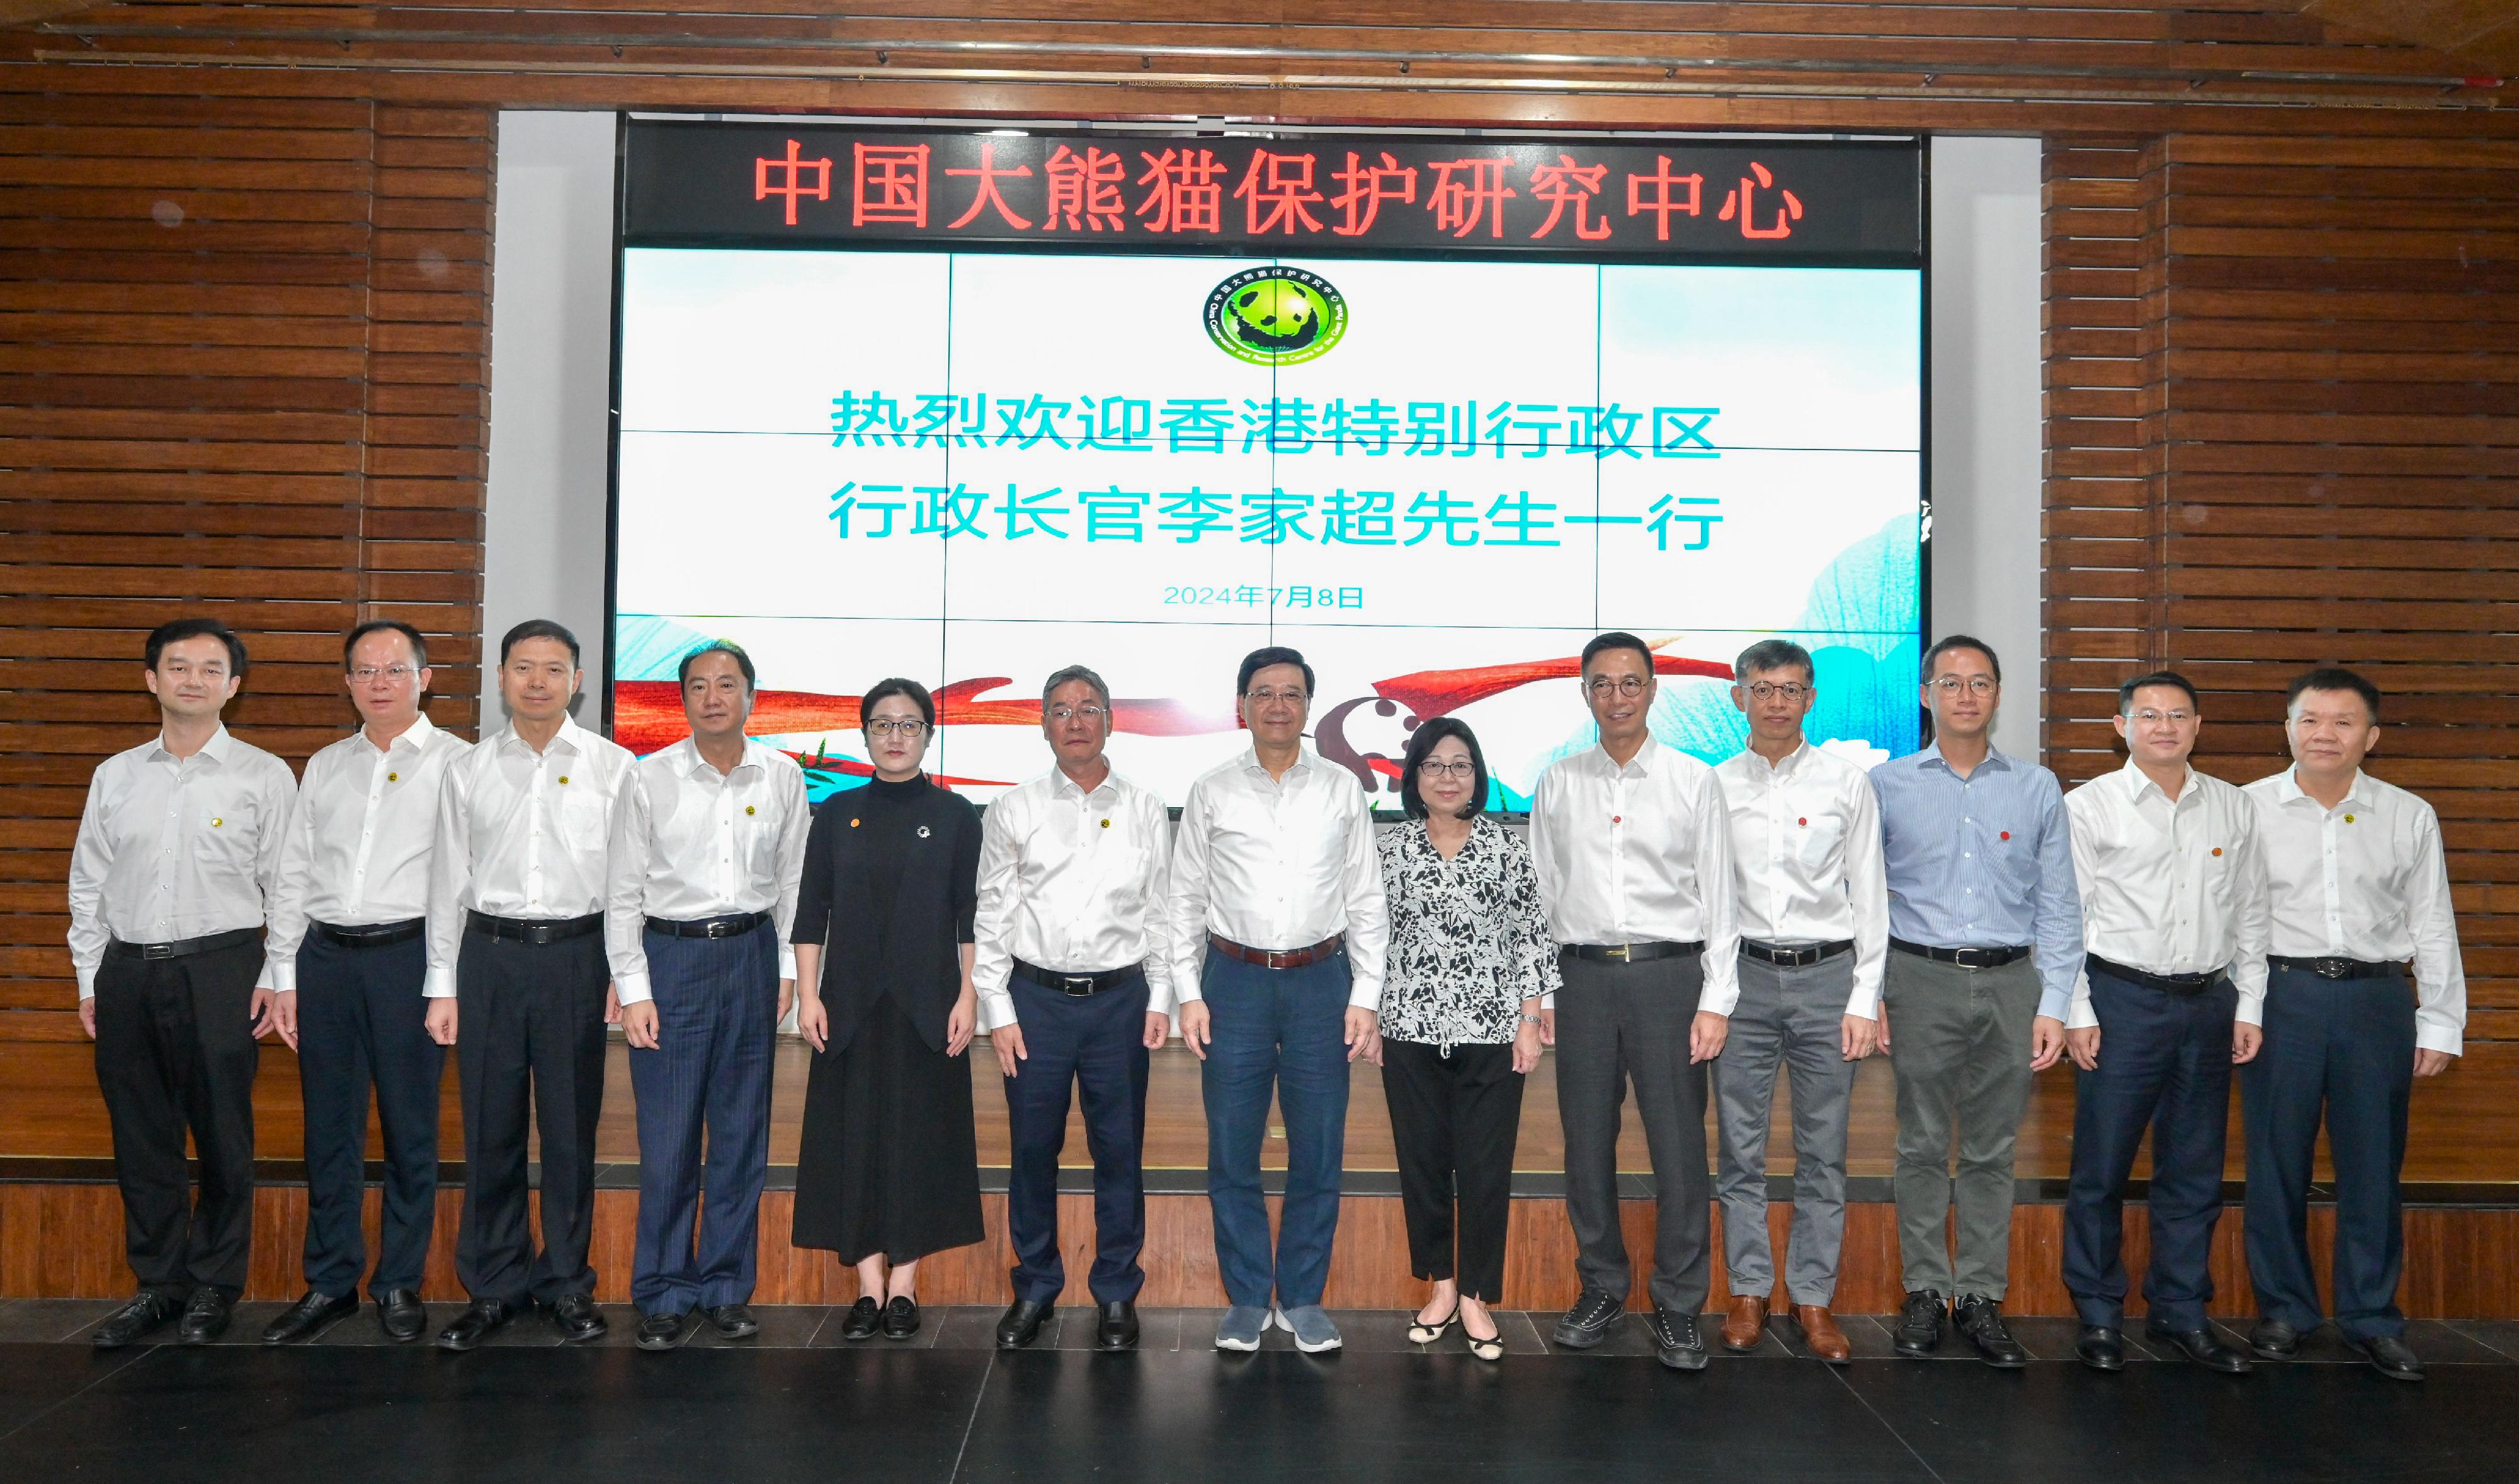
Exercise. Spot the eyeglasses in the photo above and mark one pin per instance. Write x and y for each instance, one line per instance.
(890, 727)
(1065, 714)
(1791, 690)
(367, 674)
(1458, 767)
(1625, 686)
(1976, 685)
(2151, 717)
(1266, 696)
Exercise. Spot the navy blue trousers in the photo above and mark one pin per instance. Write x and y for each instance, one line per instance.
(1280, 1031)
(362, 1025)
(1096, 1045)
(706, 1084)
(529, 1051)
(2164, 1066)
(2343, 1049)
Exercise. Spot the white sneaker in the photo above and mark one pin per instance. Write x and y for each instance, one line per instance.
(1310, 1325)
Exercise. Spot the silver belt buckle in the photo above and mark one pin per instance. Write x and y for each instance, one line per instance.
(1076, 985)
(153, 952)
(2332, 968)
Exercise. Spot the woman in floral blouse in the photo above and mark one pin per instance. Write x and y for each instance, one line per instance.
(1470, 968)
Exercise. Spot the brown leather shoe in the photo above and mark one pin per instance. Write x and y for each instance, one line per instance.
(1746, 1325)
(1821, 1335)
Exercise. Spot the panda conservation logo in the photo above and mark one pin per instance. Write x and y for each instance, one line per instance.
(1275, 315)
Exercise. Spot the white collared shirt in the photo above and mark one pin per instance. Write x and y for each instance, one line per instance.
(1806, 854)
(521, 834)
(2170, 888)
(688, 842)
(2367, 880)
(1074, 882)
(356, 853)
(1278, 864)
(1640, 853)
(170, 849)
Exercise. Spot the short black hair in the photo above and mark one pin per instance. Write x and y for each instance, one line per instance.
(896, 687)
(1951, 641)
(2125, 692)
(2333, 678)
(743, 662)
(175, 631)
(1421, 743)
(539, 628)
(1774, 654)
(419, 645)
(1615, 639)
(1258, 660)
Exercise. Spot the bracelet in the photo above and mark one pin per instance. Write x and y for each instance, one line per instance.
(1532, 1020)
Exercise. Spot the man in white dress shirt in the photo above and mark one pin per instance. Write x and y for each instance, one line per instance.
(349, 956)
(2173, 884)
(707, 845)
(1814, 914)
(177, 852)
(2359, 885)
(1634, 851)
(517, 885)
(1075, 983)
(1276, 882)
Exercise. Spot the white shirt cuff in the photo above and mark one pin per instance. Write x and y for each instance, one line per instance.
(786, 960)
(2444, 1039)
(997, 1010)
(440, 984)
(1864, 1003)
(284, 973)
(633, 988)
(87, 984)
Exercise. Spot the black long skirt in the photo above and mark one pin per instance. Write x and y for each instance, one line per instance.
(889, 1160)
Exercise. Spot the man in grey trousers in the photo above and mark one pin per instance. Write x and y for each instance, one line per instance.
(1985, 939)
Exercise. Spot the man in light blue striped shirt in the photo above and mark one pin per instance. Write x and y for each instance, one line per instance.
(1985, 932)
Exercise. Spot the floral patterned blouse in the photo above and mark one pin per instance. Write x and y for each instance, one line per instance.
(1468, 940)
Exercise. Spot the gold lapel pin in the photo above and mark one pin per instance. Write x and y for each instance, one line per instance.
(2348, 819)
(563, 777)
(1106, 824)
(216, 821)
(747, 808)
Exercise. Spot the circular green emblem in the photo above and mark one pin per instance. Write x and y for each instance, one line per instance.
(1275, 315)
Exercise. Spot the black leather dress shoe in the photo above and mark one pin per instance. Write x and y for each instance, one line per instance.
(901, 1318)
(309, 1316)
(1918, 1331)
(663, 1332)
(2203, 1347)
(1021, 1324)
(865, 1317)
(146, 1312)
(481, 1319)
(401, 1315)
(733, 1321)
(2390, 1353)
(1981, 1320)
(1676, 1343)
(207, 1316)
(2101, 1347)
(1118, 1329)
(577, 1319)
(2273, 1340)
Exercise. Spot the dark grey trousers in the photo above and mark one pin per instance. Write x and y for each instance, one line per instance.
(1616, 1023)
(1959, 1046)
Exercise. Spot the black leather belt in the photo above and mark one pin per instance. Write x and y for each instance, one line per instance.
(2334, 967)
(1076, 985)
(1794, 958)
(373, 936)
(1966, 958)
(540, 932)
(731, 925)
(2187, 984)
(1632, 953)
(186, 948)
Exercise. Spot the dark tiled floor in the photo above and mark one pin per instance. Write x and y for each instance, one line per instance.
(801, 1403)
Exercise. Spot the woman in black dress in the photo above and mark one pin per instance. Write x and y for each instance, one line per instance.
(889, 1170)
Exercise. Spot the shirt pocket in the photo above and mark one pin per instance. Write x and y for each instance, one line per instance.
(585, 816)
(1818, 842)
(223, 835)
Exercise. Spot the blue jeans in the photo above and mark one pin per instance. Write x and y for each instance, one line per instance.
(1281, 1031)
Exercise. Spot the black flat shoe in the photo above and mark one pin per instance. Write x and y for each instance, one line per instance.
(143, 1315)
(2101, 1347)
(401, 1315)
(2390, 1353)
(1589, 1322)
(664, 1331)
(1980, 1320)
(207, 1316)
(1676, 1343)
(577, 1319)
(865, 1317)
(901, 1318)
(2273, 1340)
(2203, 1347)
(1021, 1324)
(1918, 1332)
(481, 1319)
(733, 1321)
(1118, 1329)
(309, 1316)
